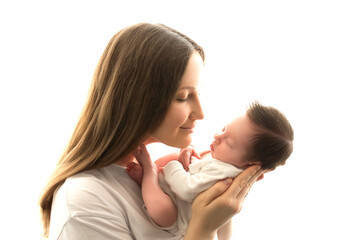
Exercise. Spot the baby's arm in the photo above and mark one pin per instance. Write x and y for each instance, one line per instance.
(161, 162)
(183, 157)
(203, 174)
(185, 185)
(159, 205)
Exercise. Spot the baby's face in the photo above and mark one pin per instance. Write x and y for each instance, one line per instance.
(232, 143)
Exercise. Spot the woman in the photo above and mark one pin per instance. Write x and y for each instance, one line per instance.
(144, 90)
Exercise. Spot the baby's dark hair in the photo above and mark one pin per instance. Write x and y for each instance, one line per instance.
(273, 142)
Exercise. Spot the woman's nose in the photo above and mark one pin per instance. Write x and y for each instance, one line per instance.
(197, 111)
(198, 115)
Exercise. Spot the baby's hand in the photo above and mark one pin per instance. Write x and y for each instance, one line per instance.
(143, 157)
(185, 156)
(161, 170)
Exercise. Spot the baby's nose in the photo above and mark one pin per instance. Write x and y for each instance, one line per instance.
(217, 137)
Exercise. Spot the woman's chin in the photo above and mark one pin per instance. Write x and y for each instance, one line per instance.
(180, 144)
(178, 141)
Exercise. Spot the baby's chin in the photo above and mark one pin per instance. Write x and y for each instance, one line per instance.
(213, 155)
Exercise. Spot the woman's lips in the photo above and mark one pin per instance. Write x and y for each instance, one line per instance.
(189, 129)
(212, 147)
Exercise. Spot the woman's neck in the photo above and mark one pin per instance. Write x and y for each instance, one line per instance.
(130, 157)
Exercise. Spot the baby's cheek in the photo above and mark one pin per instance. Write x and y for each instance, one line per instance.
(220, 152)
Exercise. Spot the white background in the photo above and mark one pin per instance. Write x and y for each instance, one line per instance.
(302, 57)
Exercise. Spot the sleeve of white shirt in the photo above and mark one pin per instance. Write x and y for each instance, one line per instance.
(102, 204)
(88, 228)
(86, 213)
(185, 185)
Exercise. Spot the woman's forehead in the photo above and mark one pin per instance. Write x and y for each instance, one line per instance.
(192, 74)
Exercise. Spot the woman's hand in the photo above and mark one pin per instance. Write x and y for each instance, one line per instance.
(214, 207)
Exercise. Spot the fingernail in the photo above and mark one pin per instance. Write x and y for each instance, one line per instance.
(228, 181)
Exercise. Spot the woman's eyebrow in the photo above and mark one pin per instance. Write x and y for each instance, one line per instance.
(191, 88)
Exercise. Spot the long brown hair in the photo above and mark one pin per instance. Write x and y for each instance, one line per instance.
(273, 142)
(131, 91)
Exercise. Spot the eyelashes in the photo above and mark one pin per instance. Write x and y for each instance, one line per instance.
(226, 140)
(187, 97)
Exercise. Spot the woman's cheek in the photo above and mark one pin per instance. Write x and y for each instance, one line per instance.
(178, 114)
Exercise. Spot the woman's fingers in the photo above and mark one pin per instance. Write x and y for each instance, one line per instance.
(242, 183)
(215, 206)
(212, 193)
(261, 177)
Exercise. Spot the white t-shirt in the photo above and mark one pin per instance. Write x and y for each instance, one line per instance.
(184, 186)
(102, 204)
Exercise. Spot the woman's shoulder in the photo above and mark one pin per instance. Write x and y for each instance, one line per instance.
(89, 199)
(106, 198)
(96, 190)
(89, 181)
(96, 179)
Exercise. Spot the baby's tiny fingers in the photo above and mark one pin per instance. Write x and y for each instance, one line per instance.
(196, 154)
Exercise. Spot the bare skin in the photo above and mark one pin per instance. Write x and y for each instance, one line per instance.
(146, 165)
(160, 206)
(213, 208)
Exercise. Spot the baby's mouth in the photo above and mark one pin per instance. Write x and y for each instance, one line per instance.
(212, 147)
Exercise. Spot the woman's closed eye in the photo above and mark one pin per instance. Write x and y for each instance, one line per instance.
(189, 96)
(186, 98)
(182, 99)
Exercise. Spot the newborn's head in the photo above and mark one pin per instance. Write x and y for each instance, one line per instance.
(232, 144)
(272, 144)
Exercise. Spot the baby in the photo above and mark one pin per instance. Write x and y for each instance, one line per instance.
(261, 136)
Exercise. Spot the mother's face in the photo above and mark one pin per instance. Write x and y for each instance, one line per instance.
(177, 127)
